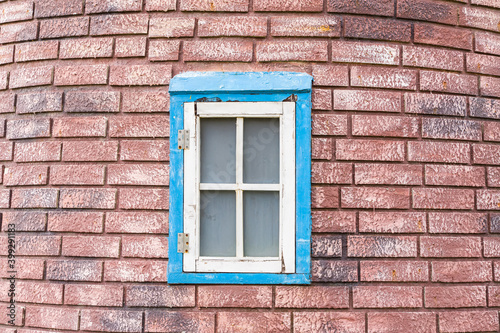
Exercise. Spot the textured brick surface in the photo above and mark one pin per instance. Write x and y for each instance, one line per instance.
(473, 321)
(292, 50)
(372, 28)
(232, 26)
(171, 27)
(454, 247)
(433, 58)
(455, 297)
(37, 151)
(387, 297)
(385, 322)
(394, 271)
(383, 78)
(161, 296)
(86, 48)
(119, 24)
(235, 296)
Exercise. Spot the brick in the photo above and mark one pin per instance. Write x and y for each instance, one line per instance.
(292, 51)
(375, 197)
(16, 11)
(86, 48)
(387, 322)
(6, 54)
(130, 47)
(4, 198)
(235, 296)
(31, 269)
(140, 75)
(389, 174)
(214, 6)
(488, 200)
(233, 322)
(18, 32)
(56, 318)
(80, 75)
(144, 150)
(378, 77)
(74, 270)
(425, 10)
(387, 297)
(77, 174)
(443, 36)
(3, 80)
(470, 321)
(120, 24)
(131, 198)
(331, 173)
(36, 292)
(28, 128)
(25, 220)
(330, 75)
(322, 148)
(160, 5)
(370, 150)
(86, 151)
(374, 28)
(171, 27)
(138, 174)
(382, 7)
(484, 64)
(489, 3)
(489, 86)
(486, 42)
(394, 271)
(47, 101)
(455, 129)
(52, 8)
(484, 108)
(91, 246)
(368, 53)
(493, 295)
(40, 246)
(135, 271)
(25, 175)
(416, 56)
(145, 101)
(34, 198)
(111, 320)
(392, 222)
(494, 177)
(365, 100)
(312, 297)
(458, 223)
(382, 246)
(442, 198)
(491, 247)
(455, 296)
(36, 51)
(322, 99)
(329, 124)
(305, 26)
(304, 322)
(136, 222)
(7, 105)
(202, 322)
(479, 18)
(326, 246)
(364, 125)
(446, 152)
(64, 27)
(486, 154)
(448, 82)
(68, 127)
(144, 246)
(92, 101)
(106, 6)
(139, 127)
(334, 271)
(164, 50)
(333, 221)
(81, 222)
(31, 77)
(462, 271)
(287, 6)
(218, 50)
(232, 26)
(453, 247)
(93, 295)
(88, 198)
(454, 175)
(160, 296)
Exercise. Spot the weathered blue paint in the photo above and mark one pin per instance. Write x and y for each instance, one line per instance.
(243, 87)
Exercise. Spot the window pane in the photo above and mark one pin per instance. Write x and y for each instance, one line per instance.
(261, 223)
(218, 150)
(218, 223)
(261, 151)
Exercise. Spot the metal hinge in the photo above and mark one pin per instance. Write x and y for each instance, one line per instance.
(183, 139)
(183, 243)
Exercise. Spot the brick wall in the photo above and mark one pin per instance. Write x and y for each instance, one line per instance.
(406, 162)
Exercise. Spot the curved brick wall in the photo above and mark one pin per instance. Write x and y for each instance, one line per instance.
(406, 171)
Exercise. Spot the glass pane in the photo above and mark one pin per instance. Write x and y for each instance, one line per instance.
(261, 151)
(218, 150)
(261, 223)
(218, 223)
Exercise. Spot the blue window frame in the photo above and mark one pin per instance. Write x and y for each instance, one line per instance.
(243, 87)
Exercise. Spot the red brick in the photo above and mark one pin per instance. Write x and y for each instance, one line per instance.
(31, 269)
(136, 222)
(4, 198)
(484, 108)
(455, 296)
(443, 198)
(131, 198)
(19, 32)
(489, 86)
(328, 297)
(74, 270)
(453, 247)
(140, 75)
(455, 129)
(489, 3)
(446, 152)
(394, 271)
(392, 222)
(491, 131)
(303, 27)
(448, 82)
(23, 175)
(381, 7)
(458, 223)
(124, 24)
(330, 75)
(364, 125)
(391, 174)
(30, 76)
(106, 6)
(334, 271)
(352, 322)
(454, 175)
(486, 42)
(64, 27)
(322, 99)
(484, 64)
(233, 26)
(34, 198)
(214, 6)
(80, 75)
(90, 151)
(388, 322)
(171, 27)
(364, 100)
(91, 246)
(104, 198)
(39, 102)
(36, 51)
(52, 8)
(233, 322)
(235, 296)
(111, 320)
(200, 322)
(92, 101)
(38, 292)
(145, 246)
(331, 173)
(387, 297)
(144, 150)
(443, 36)
(494, 177)
(163, 50)
(461, 271)
(494, 295)
(382, 246)
(375, 197)
(328, 124)
(370, 150)
(375, 28)
(25, 220)
(160, 5)
(7, 105)
(488, 200)
(218, 50)
(93, 295)
(57, 318)
(425, 10)
(79, 127)
(130, 47)
(138, 174)
(160, 296)
(139, 127)
(322, 148)
(496, 270)
(287, 6)
(469, 321)
(417, 56)
(77, 174)
(378, 77)
(326, 246)
(86, 48)
(28, 128)
(6, 54)
(135, 271)
(292, 51)
(333, 221)
(479, 18)
(3, 80)
(16, 11)
(486, 154)
(145, 101)
(369, 53)
(81, 222)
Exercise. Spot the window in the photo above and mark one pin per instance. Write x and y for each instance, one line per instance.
(240, 178)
